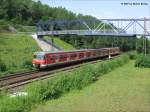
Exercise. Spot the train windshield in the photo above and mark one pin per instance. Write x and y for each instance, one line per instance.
(40, 57)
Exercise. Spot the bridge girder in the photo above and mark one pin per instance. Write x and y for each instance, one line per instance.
(101, 29)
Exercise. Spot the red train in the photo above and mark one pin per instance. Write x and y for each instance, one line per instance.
(45, 59)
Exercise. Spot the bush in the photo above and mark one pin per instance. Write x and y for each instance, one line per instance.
(56, 86)
(132, 55)
(143, 61)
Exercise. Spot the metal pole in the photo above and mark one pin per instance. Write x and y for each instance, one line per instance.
(145, 35)
(136, 44)
(52, 39)
(104, 27)
(143, 45)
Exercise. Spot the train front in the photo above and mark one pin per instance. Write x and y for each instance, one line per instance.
(39, 60)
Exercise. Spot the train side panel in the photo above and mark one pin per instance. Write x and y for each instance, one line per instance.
(65, 57)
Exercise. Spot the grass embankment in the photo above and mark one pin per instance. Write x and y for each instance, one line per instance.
(60, 43)
(16, 53)
(126, 89)
(55, 87)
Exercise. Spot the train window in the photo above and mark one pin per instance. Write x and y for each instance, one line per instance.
(60, 56)
(63, 56)
(81, 55)
(40, 57)
(52, 58)
(94, 53)
(73, 55)
(56, 57)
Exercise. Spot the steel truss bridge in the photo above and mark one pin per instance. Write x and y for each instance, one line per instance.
(100, 27)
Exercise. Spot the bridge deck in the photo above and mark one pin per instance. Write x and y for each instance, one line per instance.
(86, 33)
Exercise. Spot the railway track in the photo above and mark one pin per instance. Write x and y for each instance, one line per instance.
(16, 75)
(12, 82)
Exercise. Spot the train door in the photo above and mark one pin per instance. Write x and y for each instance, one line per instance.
(46, 59)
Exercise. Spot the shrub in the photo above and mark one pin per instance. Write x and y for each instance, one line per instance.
(143, 61)
(56, 86)
(132, 55)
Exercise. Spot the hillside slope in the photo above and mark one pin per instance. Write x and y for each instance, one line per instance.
(16, 52)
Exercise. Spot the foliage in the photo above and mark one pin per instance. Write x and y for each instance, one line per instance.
(4, 25)
(22, 14)
(56, 86)
(139, 45)
(27, 12)
(125, 44)
(132, 55)
(143, 61)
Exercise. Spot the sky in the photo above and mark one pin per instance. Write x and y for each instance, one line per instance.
(104, 8)
(101, 9)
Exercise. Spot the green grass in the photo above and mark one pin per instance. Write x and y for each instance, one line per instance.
(16, 52)
(23, 28)
(126, 89)
(55, 87)
(60, 43)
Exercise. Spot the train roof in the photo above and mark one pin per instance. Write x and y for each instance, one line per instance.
(53, 52)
